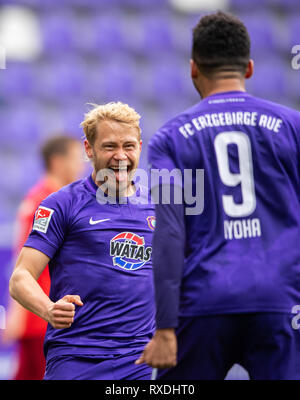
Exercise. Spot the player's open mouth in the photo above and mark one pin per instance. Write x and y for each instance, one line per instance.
(121, 171)
(123, 168)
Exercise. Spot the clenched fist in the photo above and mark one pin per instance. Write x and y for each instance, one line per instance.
(61, 314)
(161, 351)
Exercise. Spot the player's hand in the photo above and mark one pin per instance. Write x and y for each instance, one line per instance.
(61, 314)
(161, 351)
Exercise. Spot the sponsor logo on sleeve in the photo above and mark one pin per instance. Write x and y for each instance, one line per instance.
(42, 219)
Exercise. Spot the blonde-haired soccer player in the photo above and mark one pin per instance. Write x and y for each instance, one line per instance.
(101, 307)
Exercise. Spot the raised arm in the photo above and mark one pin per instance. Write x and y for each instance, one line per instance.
(24, 288)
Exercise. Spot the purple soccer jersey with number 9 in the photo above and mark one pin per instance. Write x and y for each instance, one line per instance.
(241, 253)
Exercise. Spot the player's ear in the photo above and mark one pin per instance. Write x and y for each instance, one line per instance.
(88, 149)
(194, 69)
(249, 70)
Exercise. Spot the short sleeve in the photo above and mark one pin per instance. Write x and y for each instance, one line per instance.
(168, 255)
(50, 225)
(161, 161)
(159, 152)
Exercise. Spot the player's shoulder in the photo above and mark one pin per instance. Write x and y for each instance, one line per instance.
(284, 112)
(171, 127)
(174, 123)
(67, 195)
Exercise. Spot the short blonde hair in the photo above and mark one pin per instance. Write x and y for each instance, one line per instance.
(118, 112)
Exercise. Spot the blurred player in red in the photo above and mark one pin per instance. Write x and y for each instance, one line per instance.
(63, 159)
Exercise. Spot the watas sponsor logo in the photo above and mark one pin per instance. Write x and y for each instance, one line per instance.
(129, 251)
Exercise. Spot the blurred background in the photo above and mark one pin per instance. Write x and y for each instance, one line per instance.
(59, 55)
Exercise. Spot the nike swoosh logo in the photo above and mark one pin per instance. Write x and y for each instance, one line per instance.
(92, 222)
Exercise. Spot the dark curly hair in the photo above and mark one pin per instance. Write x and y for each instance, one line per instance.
(220, 43)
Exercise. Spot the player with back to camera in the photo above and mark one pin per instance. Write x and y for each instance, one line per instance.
(101, 306)
(63, 161)
(228, 278)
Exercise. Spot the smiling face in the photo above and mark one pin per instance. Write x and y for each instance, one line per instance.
(116, 149)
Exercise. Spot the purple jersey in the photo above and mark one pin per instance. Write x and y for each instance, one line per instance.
(242, 253)
(101, 252)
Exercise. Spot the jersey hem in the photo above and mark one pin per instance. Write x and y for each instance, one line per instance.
(262, 309)
(77, 351)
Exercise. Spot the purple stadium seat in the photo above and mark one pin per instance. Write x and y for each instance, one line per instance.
(6, 141)
(58, 30)
(51, 120)
(288, 5)
(84, 38)
(30, 3)
(293, 30)
(114, 79)
(293, 84)
(49, 5)
(262, 31)
(7, 180)
(32, 169)
(18, 79)
(143, 5)
(91, 4)
(269, 80)
(175, 106)
(72, 115)
(43, 5)
(248, 5)
(20, 143)
(102, 34)
(24, 125)
(107, 32)
(151, 35)
(62, 79)
(182, 31)
(167, 80)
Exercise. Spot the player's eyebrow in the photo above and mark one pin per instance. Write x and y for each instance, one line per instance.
(108, 143)
(130, 142)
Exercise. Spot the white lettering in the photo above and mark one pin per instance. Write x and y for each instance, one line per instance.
(242, 229)
(237, 230)
(256, 230)
(263, 121)
(183, 132)
(247, 227)
(230, 118)
(228, 229)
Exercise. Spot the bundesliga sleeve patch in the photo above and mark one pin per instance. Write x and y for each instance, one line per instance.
(42, 219)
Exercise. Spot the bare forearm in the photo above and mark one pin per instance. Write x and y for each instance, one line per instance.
(24, 288)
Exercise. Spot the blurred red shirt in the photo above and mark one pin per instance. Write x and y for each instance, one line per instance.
(34, 325)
